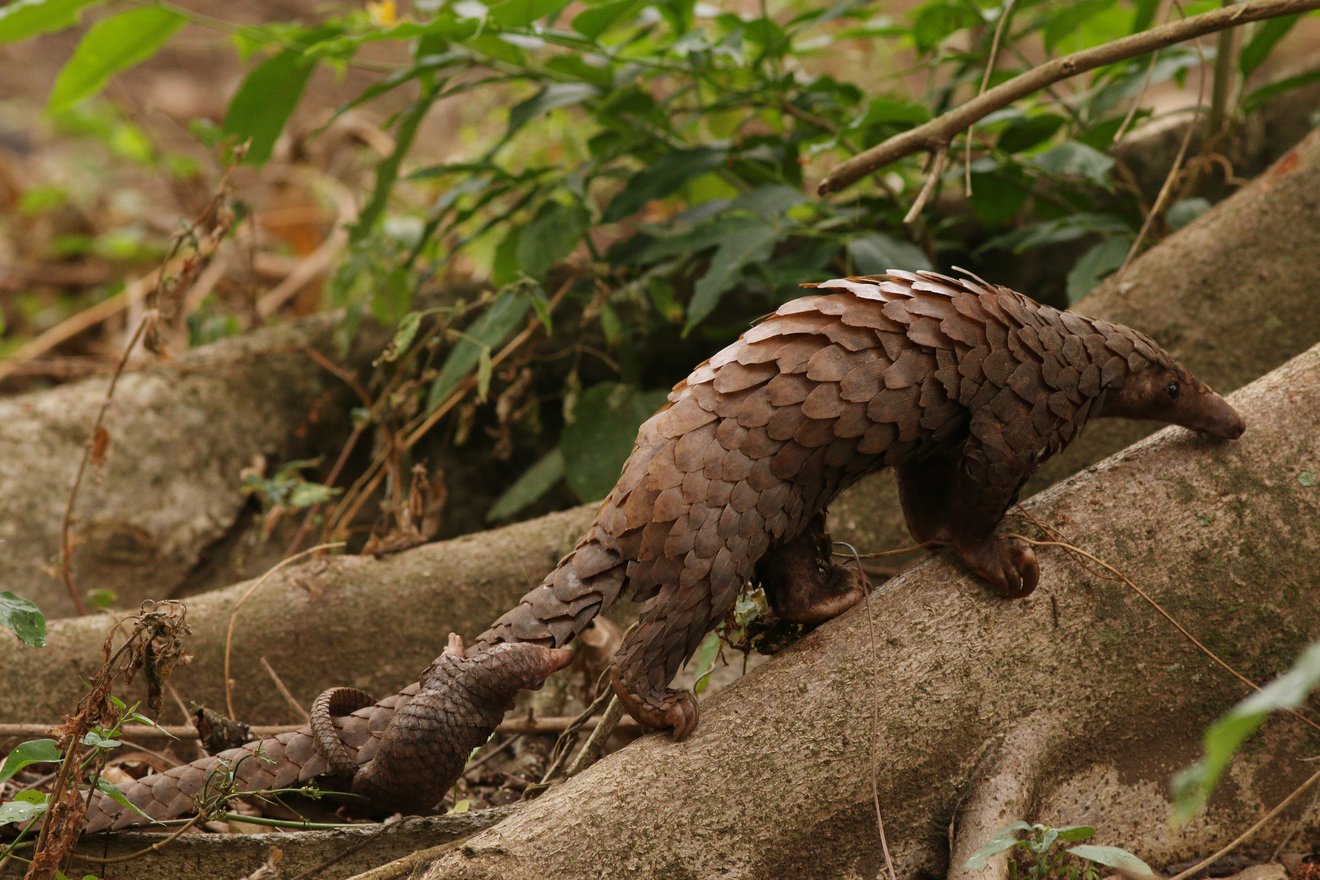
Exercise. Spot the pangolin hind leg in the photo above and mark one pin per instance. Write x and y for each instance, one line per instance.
(959, 496)
(803, 584)
(668, 631)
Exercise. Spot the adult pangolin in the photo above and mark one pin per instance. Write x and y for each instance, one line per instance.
(962, 387)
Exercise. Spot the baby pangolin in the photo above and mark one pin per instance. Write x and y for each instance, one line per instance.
(961, 386)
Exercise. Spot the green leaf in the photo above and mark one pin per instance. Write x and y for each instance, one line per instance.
(96, 740)
(21, 810)
(109, 46)
(662, 178)
(550, 236)
(1006, 839)
(889, 110)
(403, 338)
(266, 99)
(24, 618)
(769, 202)
(534, 482)
(1144, 14)
(1076, 160)
(311, 494)
(1193, 785)
(1263, 41)
(752, 243)
(1095, 264)
(938, 21)
(488, 331)
(552, 97)
(493, 45)
(997, 198)
(876, 253)
(387, 170)
(597, 440)
(704, 661)
(1066, 21)
(1029, 132)
(1076, 833)
(484, 369)
(1113, 857)
(595, 20)
(1184, 211)
(1068, 228)
(110, 790)
(1263, 94)
(29, 18)
(521, 13)
(578, 67)
(34, 751)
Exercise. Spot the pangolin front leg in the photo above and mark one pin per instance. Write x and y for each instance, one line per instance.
(959, 495)
(803, 584)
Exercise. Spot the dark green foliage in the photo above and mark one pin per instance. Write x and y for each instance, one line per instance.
(24, 618)
(652, 159)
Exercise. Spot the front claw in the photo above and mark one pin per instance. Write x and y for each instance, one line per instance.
(1007, 563)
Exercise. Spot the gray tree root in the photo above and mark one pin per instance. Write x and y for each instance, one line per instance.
(776, 780)
(325, 855)
(1191, 292)
(358, 621)
(177, 436)
(1001, 789)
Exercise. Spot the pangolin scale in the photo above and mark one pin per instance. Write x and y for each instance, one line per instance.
(962, 387)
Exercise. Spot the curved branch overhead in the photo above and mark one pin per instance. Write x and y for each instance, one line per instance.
(940, 131)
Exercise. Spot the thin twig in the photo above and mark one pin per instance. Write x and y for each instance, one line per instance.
(137, 854)
(595, 744)
(247, 594)
(985, 81)
(513, 345)
(66, 526)
(875, 715)
(1072, 548)
(899, 551)
(940, 131)
(1245, 835)
(1174, 170)
(1225, 65)
(283, 689)
(149, 732)
(319, 261)
(1136, 102)
(938, 160)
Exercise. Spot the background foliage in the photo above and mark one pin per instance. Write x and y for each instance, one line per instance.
(637, 188)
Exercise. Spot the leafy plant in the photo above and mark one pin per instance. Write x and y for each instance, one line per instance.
(288, 487)
(654, 158)
(30, 805)
(24, 618)
(1193, 785)
(1044, 852)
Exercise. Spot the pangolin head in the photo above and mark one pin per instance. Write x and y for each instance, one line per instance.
(1158, 387)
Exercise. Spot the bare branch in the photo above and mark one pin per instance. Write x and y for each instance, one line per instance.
(940, 131)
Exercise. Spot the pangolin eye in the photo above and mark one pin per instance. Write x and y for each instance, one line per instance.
(1172, 390)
